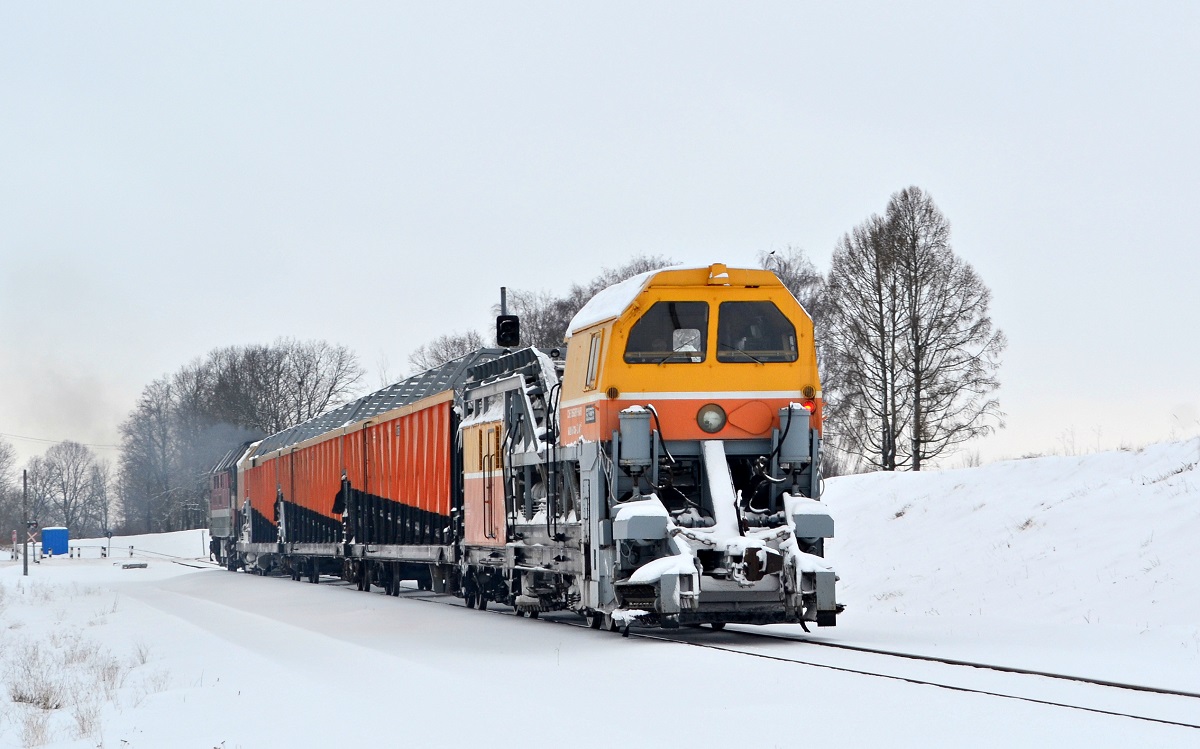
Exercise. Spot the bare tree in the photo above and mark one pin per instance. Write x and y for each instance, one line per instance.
(913, 349)
(68, 486)
(235, 388)
(146, 468)
(8, 463)
(444, 348)
(38, 506)
(797, 272)
(952, 349)
(265, 369)
(545, 316)
(383, 371)
(10, 498)
(104, 512)
(184, 423)
(318, 375)
(801, 277)
(867, 410)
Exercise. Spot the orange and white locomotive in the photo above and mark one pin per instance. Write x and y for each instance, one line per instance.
(665, 474)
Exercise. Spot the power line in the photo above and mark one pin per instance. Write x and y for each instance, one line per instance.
(55, 442)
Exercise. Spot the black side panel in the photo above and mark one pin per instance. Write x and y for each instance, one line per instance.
(308, 527)
(373, 519)
(262, 529)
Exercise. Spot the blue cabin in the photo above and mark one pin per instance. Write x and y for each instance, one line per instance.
(56, 541)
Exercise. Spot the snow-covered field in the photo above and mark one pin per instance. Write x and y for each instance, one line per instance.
(1080, 565)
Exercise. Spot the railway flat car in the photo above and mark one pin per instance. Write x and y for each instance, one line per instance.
(665, 473)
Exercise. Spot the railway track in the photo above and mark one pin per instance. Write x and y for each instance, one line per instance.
(944, 684)
(1030, 680)
(971, 664)
(195, 562)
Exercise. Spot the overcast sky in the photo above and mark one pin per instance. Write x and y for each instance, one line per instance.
(180, 176)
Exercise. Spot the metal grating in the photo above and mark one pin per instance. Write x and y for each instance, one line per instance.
(502, 365)
(451, 375)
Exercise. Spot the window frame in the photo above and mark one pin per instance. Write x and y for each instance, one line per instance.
(592, 373)
(748, 356)
(687, 357)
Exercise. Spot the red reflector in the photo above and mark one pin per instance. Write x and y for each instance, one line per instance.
(809, 405)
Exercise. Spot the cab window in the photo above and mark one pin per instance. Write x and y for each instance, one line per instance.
(669, 332)
(593, 366)
(754, 332)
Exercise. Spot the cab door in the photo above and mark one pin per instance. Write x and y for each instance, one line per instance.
(483, 484)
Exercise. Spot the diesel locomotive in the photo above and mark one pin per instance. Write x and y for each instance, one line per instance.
(664, 472)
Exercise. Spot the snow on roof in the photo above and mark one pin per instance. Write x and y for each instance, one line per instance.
(612, 301)
(609, 303)
(615, 299)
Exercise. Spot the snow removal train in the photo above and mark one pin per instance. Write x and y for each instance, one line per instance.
(664, 473)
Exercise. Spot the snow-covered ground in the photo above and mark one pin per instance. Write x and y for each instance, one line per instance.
(1080, 565)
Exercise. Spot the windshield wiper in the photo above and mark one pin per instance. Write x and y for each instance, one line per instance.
(673, 354)
(748, 355)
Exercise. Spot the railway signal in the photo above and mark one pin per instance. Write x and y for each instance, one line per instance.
(508, 327)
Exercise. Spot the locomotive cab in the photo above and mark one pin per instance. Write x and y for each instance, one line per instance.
(700, 389)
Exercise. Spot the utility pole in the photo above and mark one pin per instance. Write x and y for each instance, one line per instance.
(25, 518)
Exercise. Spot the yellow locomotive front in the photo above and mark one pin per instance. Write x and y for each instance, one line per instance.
(699, 390)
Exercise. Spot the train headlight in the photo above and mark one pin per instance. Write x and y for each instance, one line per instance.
(711, 418)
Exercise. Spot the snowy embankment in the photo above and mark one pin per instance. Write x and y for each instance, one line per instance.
(1073, 564)
(1077, 564)
(1108, 538)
